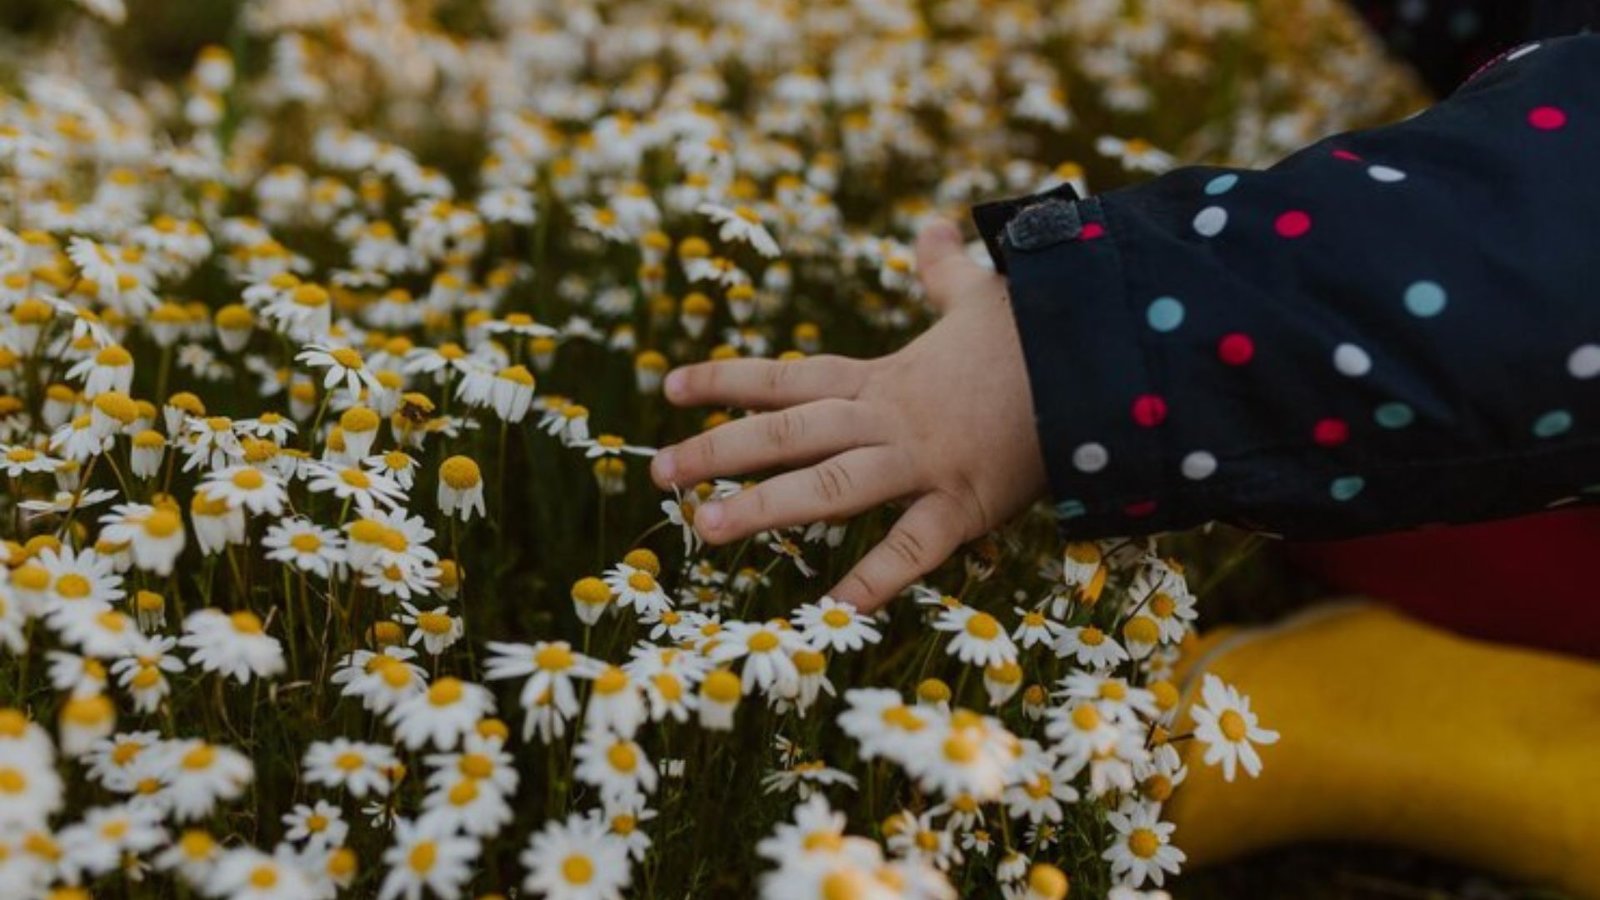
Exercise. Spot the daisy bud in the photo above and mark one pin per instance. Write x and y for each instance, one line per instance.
(148, 449)
(643, 558)
(387, 634)
(611, 474)
(933, 692)
(724, 352)
(1166, 694)
(719, 695)
(590, 597)
(342, 866)
(460, 488)
(1046, 882)
(450, 578)
(662, 308)
(649, 368)
(494, 730)
(1034, 702)
(213, 70)
(1157, 787)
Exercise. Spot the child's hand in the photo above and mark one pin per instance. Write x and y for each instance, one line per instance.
(945, 424)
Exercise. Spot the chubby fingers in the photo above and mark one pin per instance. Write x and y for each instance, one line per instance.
(926, 535)
(844, 485)
(765, 383)
(786, 437)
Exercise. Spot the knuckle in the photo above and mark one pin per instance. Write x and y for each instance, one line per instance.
(863, 585)
(783, 428)
(706, 451)
(832, 482)
(910, 549)
(777, 376)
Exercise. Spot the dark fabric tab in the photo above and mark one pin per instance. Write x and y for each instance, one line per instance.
(1044, 225)
(992, 218)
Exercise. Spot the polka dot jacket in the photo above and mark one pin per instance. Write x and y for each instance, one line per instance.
(1389, 329)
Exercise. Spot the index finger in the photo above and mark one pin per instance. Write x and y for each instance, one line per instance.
(765, 383)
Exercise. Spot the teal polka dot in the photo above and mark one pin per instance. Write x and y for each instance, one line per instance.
(1221, 184)
(1554, 423)
(1165, 314)
(1346, 488)
(1394, 415)
(1426, 299)
(1070, 509)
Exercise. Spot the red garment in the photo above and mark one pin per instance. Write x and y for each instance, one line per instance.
(1530, 581)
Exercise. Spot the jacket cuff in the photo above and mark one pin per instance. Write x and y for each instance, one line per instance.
(1092, 382)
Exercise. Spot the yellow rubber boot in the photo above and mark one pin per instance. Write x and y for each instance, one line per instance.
(1396, 733)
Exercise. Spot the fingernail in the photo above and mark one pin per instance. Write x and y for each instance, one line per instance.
(674, 384)
(665, 466)
(709, 515)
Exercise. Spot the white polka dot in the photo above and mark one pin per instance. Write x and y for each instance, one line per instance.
(1584, 361)
(1351, 361)
(1386, 174)
(1199, 465)
(1090, 458)
(1210, 221)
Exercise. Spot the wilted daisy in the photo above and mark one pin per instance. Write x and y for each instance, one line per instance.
(460, 488)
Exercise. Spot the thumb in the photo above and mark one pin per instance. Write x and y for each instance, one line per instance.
(943, 264)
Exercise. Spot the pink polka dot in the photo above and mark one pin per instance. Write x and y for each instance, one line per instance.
(1346, 155)
(1331, 432)
(1149, 410)
(1293, 224)
(1236, 349)
(1092, 231)
(1547, 118)
(1140, 510)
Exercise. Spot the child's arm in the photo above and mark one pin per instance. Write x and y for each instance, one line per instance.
(1390, 328)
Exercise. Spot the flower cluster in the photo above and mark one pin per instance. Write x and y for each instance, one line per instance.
(329, 567)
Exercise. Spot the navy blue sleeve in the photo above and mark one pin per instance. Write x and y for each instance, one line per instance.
(1391, 328)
